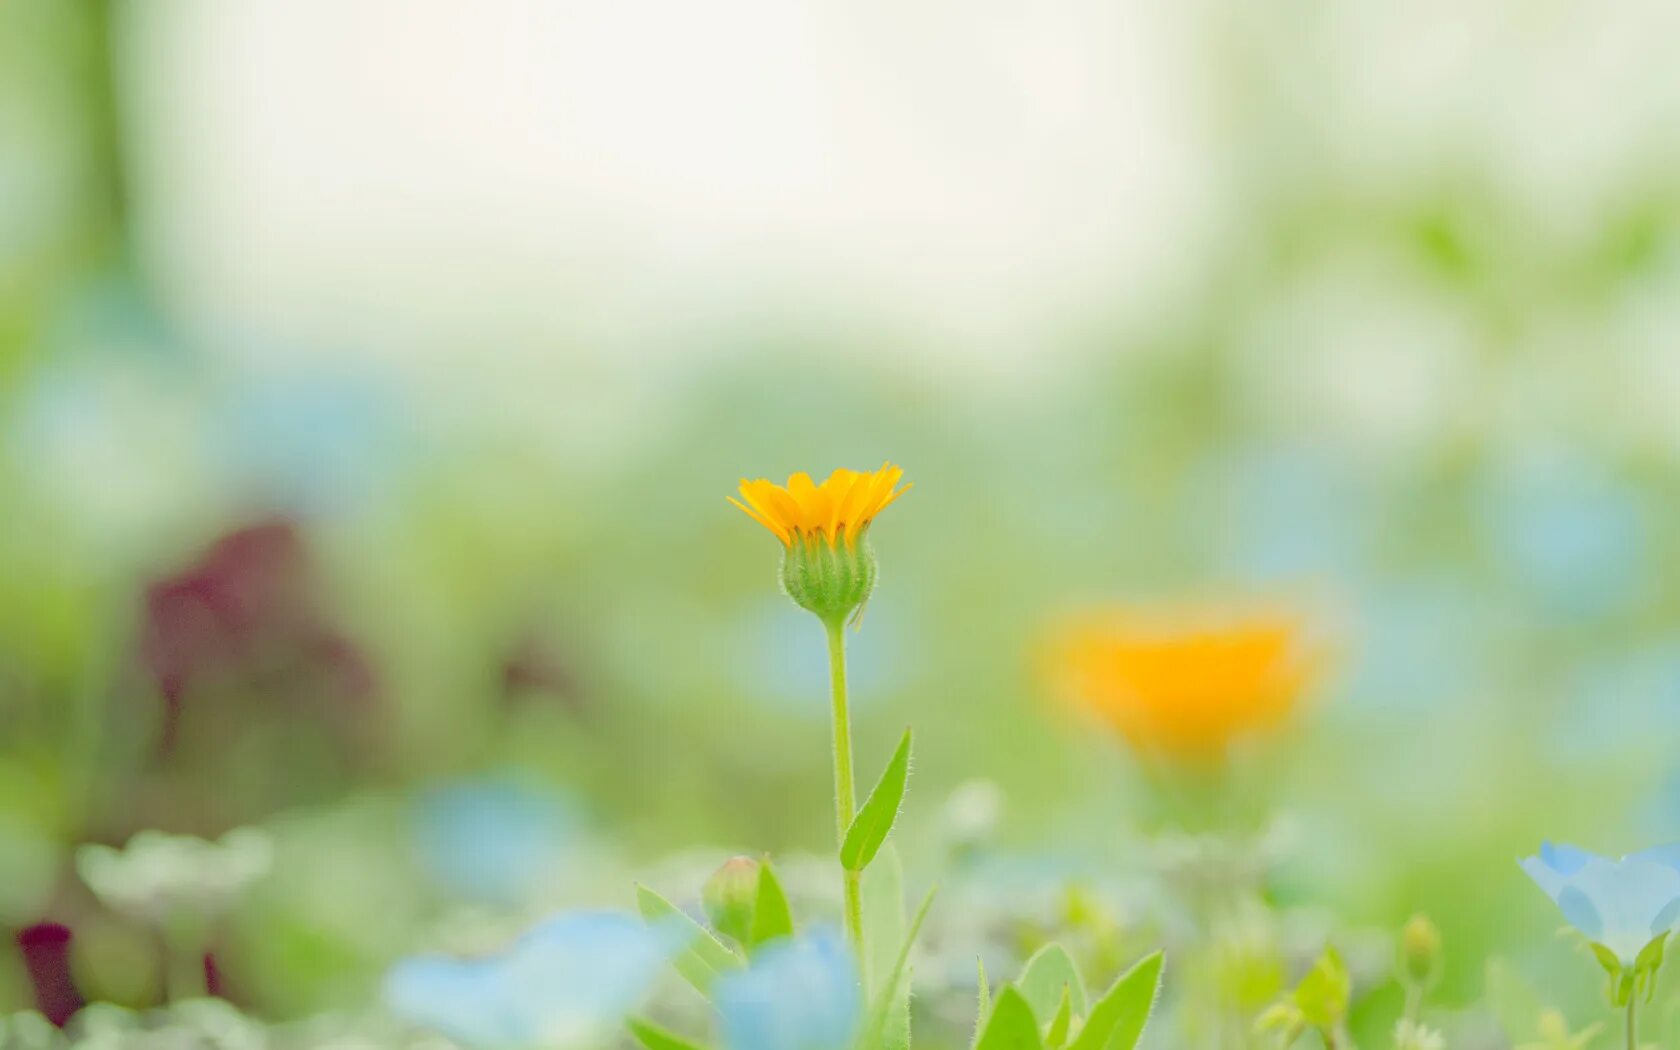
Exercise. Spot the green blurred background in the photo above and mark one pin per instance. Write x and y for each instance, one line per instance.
(372, 376)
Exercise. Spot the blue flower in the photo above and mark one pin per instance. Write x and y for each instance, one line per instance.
(563, 983)
(799, 994)
(1574, 534)
(1622, 904)
(492, 840)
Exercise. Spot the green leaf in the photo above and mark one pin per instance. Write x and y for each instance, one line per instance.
(1117, 1019)
(1046, 976)
(1058, 1033)
(704, 958)
(1012, 1025)
(1322, 996)
(771, 916)
(880, 810)
(883, 928)
(897, 984)
(654, 1037)
(883, 915)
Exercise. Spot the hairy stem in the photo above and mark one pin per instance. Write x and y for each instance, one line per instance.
(845, 796)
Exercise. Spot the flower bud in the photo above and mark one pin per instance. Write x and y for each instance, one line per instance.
(728, 897)
(829, 576)
(1420, 952)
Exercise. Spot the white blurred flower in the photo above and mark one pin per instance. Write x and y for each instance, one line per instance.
(157, 875)
(971, 813)
(199, 1024)
(1410, 1035)
(29, 1031)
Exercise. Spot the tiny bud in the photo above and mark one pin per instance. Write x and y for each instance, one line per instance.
(1420, 952)
(729, 894)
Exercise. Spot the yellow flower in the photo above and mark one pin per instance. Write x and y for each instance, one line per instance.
(1185, 686)
(827, 564)
(842, 506)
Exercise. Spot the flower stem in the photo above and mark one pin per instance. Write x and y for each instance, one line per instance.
(1633, 1021)
(1414, 1002)
(183, 943)
(845, 797)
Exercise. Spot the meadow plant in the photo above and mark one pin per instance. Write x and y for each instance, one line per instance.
(178, 885)
(776, 980)
(1624, 907)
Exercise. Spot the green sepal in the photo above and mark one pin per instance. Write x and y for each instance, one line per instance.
(1118, 1018)
(1650, 958)
(880, 810)
(704, 958)
(1608, 959)
(771, 917)
(833, 580)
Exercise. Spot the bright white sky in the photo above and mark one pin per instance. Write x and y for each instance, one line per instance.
(564, 201)
(431, 177)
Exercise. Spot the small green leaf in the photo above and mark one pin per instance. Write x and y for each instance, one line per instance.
(883, 915)
(655, 1037)
(704, 958)
(1117, 1019)
(883, 927)
(1046, 976)
(897, 983)
(1057, 1035)
(771, 916)
(1012, 1025)
(1322, 996)
(880, 810)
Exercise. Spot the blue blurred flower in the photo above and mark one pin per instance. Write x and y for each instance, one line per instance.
(563, 983)
(799, 994)
(493, 839)
(1301, 513)
(1422, 642)
(1575, 536)
(1621, 904)
(1621, 707)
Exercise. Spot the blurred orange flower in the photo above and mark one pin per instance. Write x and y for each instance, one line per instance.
(1186, 684)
